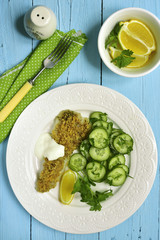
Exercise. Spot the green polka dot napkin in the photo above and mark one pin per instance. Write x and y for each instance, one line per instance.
(12, 80)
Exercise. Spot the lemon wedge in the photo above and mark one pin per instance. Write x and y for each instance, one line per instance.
(139, 60)
(136, 36)
(66, 187)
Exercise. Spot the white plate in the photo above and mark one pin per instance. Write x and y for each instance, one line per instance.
(22, 165)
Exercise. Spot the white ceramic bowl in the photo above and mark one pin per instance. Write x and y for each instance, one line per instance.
(126, 14)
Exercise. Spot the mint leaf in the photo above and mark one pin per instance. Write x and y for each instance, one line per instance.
(124, 59)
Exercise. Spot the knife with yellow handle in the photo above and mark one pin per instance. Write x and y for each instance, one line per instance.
(49, 62)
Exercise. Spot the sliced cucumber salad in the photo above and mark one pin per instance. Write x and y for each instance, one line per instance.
(95, 171)
(101, 156)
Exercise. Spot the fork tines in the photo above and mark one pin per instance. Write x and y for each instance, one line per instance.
(60, 49)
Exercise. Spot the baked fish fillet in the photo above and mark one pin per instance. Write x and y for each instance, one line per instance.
(70, 129)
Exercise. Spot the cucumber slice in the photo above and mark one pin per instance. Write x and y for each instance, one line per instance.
(99, 138)
(100, 123)
(106, 125)
(95, 171)
(118, 159)
(113, 135)
(117, 176)
(116, 129)
(125, 168)
(123, 143)
(77, 162)
(98, 116)
(99, 154)
(84, 148)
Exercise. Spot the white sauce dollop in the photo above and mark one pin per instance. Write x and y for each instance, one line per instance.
(47, 147)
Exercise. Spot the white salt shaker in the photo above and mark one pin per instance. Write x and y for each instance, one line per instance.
(40, 22)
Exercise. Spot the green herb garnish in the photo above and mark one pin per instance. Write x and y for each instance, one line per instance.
(112, 39)
(124, 59)
(83, 186)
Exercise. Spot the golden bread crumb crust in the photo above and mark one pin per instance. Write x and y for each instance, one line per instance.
(70, 130)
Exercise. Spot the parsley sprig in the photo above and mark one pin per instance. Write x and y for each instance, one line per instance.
(83, 186)
(112, 39)
(124, 59)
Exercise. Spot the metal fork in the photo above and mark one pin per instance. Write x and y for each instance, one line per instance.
(55, 56)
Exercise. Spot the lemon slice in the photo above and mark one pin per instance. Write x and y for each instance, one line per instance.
(66, 187)
(136, 36)
(139, 60)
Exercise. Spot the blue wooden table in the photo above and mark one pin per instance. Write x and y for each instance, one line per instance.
(15, 45)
